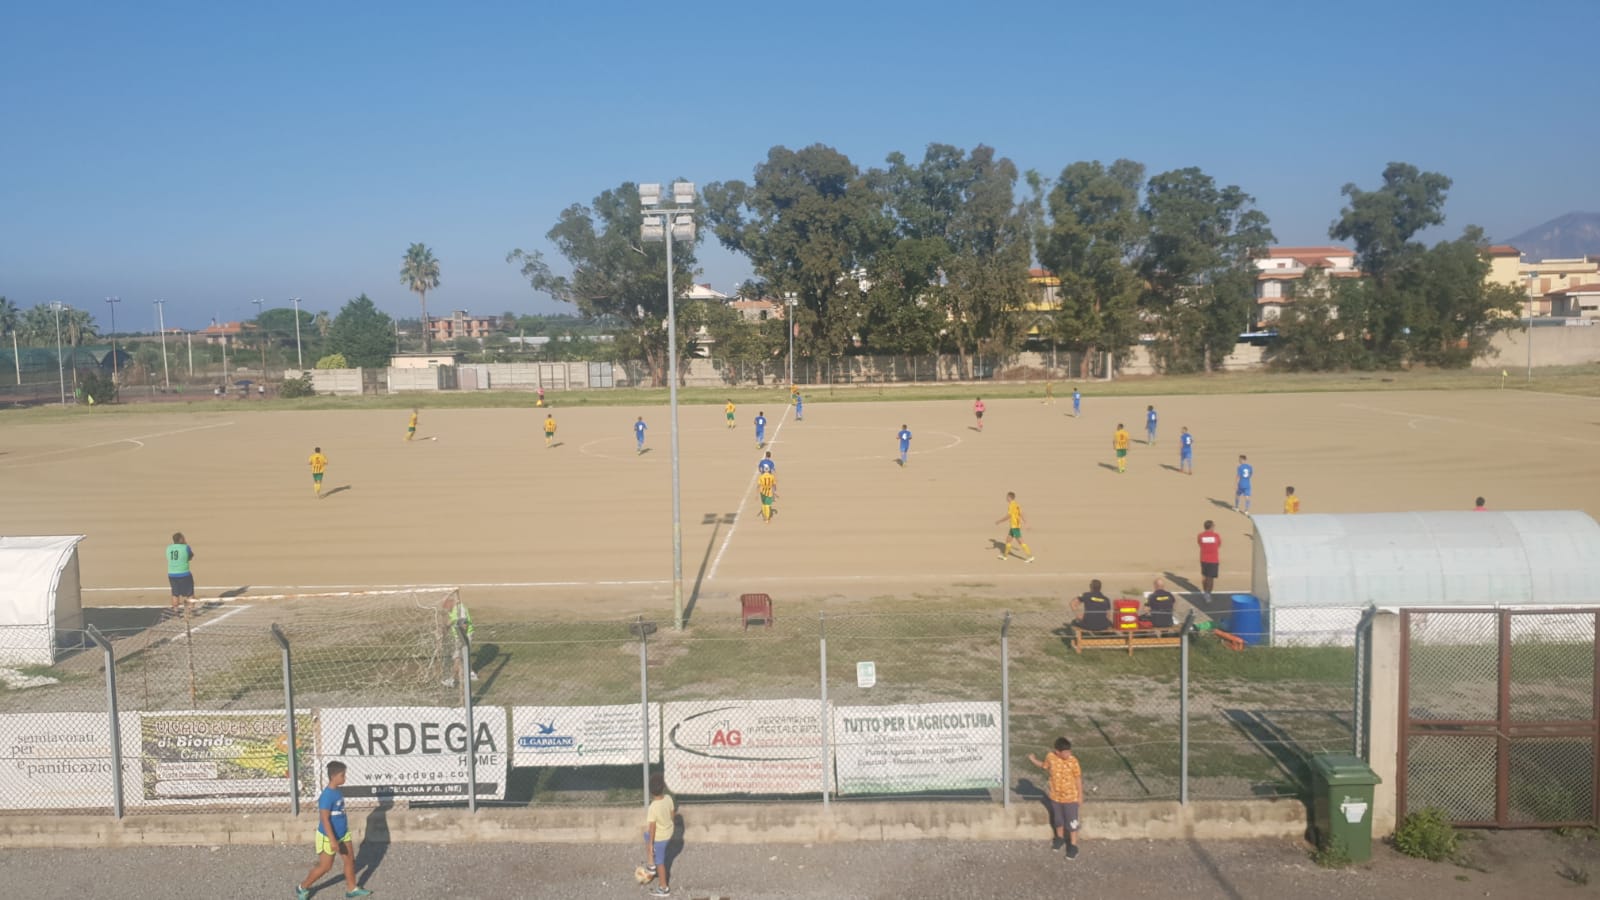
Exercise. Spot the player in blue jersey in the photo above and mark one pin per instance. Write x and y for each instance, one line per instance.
(1077, 403)
(1149, 426)
(799, 408)
(905, 444)
(761, 430)
(1241, 487)
(638, 434)
(1186, 452)
(766, 464)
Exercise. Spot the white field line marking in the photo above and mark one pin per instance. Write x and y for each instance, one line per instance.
(137, 439)
(1476, 426)
(711, 574)
(232, 612)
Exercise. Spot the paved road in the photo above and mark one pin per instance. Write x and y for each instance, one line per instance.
(1271, 870)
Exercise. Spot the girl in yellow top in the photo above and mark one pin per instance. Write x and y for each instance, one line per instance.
(549, 430)
(319, 465)
(660, 825)
(1119, 443)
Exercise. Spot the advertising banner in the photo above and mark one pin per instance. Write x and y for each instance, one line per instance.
(743, 746)
(414, 752)
(916, 748)
(582, 735)
(219, 757)
(63, 760)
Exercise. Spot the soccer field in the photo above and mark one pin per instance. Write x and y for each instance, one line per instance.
(584, 528)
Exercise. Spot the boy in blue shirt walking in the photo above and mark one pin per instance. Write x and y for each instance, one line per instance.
(638, 433)
(333, 837)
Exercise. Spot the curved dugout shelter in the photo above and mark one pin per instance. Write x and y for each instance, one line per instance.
(1316, 573)
(40, 606)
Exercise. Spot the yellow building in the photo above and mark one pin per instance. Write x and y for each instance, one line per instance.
(1548, 276)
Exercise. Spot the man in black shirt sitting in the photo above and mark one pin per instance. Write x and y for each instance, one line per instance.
(1159, 606)
(1096, 609)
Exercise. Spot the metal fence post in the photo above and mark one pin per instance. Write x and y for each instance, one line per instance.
(644, 706)
(288, 705)
(1183, 708)
(465, 650)
(116, 719)
(1005, 710)
(822, 644)
(1358, 700)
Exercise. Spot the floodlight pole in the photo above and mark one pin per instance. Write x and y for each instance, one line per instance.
(161, 328)
(299, 361)
(791, 300)
(261, 333)
(683, 193)
(61, 369)
(116, 364)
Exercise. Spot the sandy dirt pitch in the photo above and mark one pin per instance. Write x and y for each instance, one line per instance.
(584, 528)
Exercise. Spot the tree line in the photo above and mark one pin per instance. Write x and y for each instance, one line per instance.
(934, 256)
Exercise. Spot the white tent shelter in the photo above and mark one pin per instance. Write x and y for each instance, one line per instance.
(1316, 573)
(39, 597)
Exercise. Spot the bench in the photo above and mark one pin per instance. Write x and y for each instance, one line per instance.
(1142, 638)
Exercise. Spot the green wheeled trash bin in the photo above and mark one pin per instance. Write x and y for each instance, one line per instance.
(1341, 803)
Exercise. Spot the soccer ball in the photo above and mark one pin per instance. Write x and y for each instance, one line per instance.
(642, 875)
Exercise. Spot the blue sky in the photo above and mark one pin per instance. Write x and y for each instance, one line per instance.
(210, 156)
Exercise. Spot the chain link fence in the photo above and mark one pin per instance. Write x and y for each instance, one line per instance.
(813, 708)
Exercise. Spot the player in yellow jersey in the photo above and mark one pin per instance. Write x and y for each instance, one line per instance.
(729, 410)
(1049, 392)
(549, 430)
(319, 465)
(1119, 443)
(411, 427)
(1291, 503)
(767, 483)
(1014, 516)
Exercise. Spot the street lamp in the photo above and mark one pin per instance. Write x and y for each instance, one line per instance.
(299, 361)
(261, 335)
(669, 225)
(116, 364)
(791, 300)
(61, 370)
(161, 327)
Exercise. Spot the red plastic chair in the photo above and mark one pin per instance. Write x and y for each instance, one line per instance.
(755, 606)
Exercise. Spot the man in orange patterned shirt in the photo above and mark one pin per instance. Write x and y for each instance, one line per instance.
(1065, 792)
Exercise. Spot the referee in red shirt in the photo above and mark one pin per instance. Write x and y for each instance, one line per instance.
(1210, 556)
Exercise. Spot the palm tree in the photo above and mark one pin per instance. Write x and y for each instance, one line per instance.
(420, 273)
(323, 322)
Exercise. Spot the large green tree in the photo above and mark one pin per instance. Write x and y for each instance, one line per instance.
(1383, 225)
(1089, 240)
(1198, 266)
(959, 210)
(614, 274)
(419, 272)
(808, 222)
(362, 333)
(1454, 312)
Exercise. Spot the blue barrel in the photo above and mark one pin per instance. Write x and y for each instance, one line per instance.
(1244, 620)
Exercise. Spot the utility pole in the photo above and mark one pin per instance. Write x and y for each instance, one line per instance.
(299, 361)
(161, 327)
(261, 335)
(116, 364)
